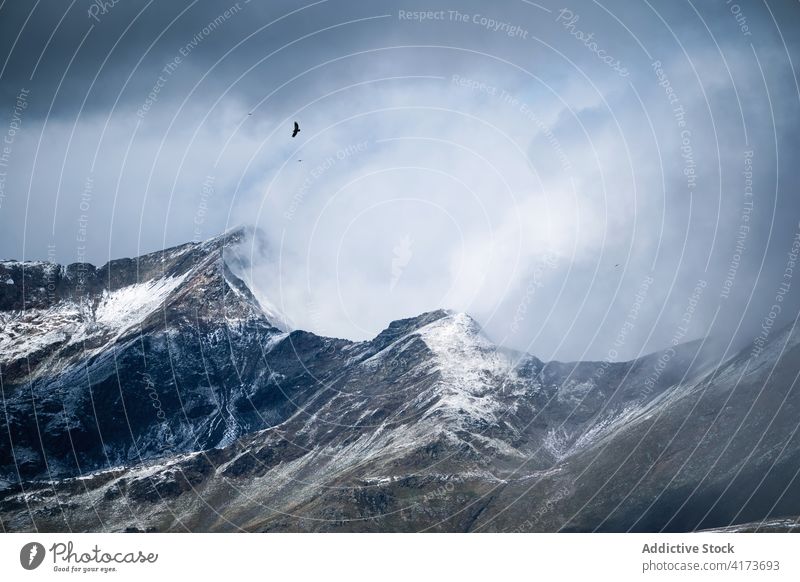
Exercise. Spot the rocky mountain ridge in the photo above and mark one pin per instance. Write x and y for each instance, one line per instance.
(160, 395)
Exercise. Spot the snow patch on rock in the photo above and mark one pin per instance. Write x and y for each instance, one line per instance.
(131, 304)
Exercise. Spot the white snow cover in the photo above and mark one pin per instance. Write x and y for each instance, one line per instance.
(275, 316)
(556, 442)
(23, 333)
(131, 304)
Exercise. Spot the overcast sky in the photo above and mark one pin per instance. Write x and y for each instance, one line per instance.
(588, 180)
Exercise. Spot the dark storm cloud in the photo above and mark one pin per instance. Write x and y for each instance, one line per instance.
(113, 52)
(540, 149)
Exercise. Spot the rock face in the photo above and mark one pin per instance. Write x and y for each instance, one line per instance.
(103, 367)
(157, 394)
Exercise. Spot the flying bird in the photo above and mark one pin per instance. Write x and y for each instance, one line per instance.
(296, 129)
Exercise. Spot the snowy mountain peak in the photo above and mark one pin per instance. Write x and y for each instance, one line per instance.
(471, 368)
(446, 317)
(231, 238)
(459, 324)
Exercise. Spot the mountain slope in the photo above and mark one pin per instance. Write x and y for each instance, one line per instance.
(428, 426)
(137, 359)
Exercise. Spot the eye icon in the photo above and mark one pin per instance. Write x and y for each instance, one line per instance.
(31, 555)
